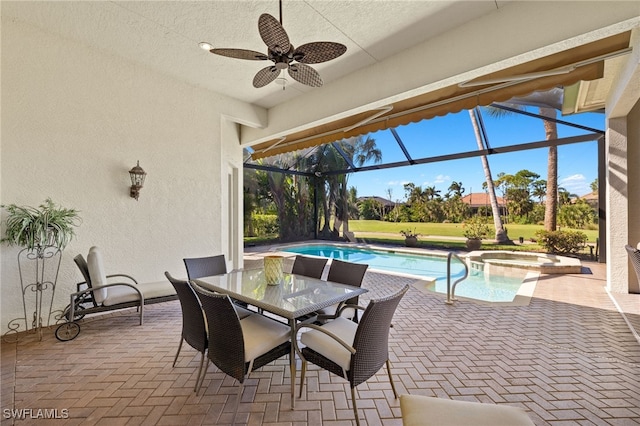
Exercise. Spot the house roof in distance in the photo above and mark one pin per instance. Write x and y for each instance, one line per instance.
(383, 201)
(479, 199)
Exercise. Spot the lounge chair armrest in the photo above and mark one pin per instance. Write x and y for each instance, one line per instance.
(92, 289)
(123, 275)
(328, 333)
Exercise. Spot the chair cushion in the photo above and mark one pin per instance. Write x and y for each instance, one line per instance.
(419, 410)
(261, 334)
(122, 293)
(97, 274)
(326, 346)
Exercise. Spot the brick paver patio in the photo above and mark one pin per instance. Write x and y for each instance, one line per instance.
(569, 357)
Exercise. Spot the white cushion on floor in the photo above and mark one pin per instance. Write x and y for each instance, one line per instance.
(261, 334)
(122, 293)
(326, 346)
(419, 410)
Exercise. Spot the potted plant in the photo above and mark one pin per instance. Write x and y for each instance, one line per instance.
(43, 232)
(37, 228)
(475, 229)
(410, 237)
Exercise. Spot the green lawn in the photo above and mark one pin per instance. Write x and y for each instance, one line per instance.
(445, 236)
(446, 229)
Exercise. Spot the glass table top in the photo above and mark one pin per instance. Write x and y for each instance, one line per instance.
(293, 297)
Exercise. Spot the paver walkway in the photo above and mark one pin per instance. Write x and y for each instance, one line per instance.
(569, 357)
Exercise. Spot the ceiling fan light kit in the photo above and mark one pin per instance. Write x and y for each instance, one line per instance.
(284, 55)
(205, 46)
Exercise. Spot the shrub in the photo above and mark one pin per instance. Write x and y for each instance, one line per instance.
(475, 228)
(577, 215)
(265, 224)
(562, 241)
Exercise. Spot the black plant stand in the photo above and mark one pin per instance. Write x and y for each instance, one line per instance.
(38, 275)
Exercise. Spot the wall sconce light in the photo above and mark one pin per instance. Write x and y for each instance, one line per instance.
(137, 175)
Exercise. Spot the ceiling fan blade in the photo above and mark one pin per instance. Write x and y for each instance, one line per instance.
(305, 75)
(265, 76)
(251, 55)
(273, 35)
(320, 51)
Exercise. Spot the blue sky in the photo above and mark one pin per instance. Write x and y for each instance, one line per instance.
(577, 163)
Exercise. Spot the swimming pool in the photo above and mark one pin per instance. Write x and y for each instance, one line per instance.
(478, 285)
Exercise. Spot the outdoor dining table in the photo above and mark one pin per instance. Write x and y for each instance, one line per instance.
(294, 297)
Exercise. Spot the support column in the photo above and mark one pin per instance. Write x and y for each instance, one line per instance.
(618, 202)
(633, 208)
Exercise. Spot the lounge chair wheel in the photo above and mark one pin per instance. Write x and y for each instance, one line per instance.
(67, 331)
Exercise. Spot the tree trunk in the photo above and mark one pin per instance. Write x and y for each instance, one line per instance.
(551, 203)
(501, 235)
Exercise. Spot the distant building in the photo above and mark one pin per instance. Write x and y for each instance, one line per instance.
(477, 200)
(591, 199)
(387, 205)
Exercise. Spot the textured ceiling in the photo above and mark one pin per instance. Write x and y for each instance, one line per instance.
(165, 35)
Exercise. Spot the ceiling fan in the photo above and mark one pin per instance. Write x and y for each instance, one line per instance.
(284, 56)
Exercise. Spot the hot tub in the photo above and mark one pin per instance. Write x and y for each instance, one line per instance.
(500, 260)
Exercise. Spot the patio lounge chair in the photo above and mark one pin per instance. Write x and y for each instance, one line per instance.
(98, 293)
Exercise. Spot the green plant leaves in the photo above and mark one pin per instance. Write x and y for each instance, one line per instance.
(47, 225)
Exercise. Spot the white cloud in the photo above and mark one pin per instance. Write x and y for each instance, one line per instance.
(443, 178)
(575, 184)
(578, 177)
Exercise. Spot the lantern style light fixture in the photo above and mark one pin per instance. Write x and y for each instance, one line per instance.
(137, 175)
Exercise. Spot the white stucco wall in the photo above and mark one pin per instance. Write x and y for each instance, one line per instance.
(74, 121)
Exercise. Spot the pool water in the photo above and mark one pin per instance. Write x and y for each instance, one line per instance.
(477, 285)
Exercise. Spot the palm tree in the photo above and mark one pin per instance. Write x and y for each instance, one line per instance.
(548, 103)
(501, 235)
(431, 193)
(539, 189)
(551, 205)
(456, 188)
(334, 192)
(360, 150)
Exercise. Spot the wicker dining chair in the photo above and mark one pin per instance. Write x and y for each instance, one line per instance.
(194, 330)
(344, 273)
(634, 255)
(198, 267)
(353, 351)
(309, 266)
(239, 347)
